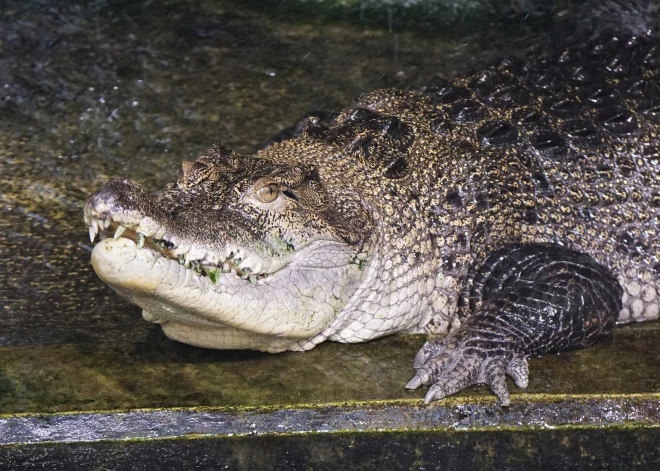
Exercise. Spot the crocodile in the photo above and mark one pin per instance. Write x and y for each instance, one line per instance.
(506, 213)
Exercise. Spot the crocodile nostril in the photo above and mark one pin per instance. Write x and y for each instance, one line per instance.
(122, 200)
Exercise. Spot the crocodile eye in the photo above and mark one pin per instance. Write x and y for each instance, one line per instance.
(268, 193)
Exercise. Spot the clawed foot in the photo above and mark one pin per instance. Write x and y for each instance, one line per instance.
(450, 365)
(525, 300)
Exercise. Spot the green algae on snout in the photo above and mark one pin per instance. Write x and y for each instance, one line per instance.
(359, 262)
(281, 247)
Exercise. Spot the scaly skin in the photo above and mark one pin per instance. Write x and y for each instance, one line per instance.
(383, 219)
(526, 300)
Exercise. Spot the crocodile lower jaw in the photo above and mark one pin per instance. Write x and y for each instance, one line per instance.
(134, 269)
(170, 292)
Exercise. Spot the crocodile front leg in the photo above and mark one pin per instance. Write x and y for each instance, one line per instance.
(526, 300)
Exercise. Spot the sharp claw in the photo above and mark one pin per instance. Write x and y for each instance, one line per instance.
(496, 379)
(498, 386)
(449, 367)
(519, 371)
(420, 359)
(414, 383)
(434, 394)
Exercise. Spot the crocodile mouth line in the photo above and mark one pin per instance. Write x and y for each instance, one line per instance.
(209, 267)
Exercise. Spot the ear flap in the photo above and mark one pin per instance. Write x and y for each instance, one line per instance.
(312, 124)
(352, 222)
(311, 192)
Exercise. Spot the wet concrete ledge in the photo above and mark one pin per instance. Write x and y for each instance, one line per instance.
(128, 405)
(528, 413)
(584, 449)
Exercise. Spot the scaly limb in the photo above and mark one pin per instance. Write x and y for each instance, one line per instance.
(526, 300)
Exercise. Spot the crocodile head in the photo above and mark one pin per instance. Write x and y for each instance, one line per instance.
(272, 251)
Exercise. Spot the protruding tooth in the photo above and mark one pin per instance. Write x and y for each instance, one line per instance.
(106, 223)
(141, 239)
(233, 271)
(92, 233)
(183, 260)
(225, 268)
(253, 278)
(95, 225)
(120, 230)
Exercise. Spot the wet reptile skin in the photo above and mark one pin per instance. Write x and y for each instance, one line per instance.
(569, 154)
(517, 207)
(559, 149)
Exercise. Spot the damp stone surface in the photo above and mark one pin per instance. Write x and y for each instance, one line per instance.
(91, 90)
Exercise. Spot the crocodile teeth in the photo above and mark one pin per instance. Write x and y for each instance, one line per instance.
(92, 232)
(141, 239)
(120, 230)
(106, 223)
(183, 260)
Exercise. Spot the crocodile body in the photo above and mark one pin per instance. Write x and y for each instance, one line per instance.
(432, 212)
